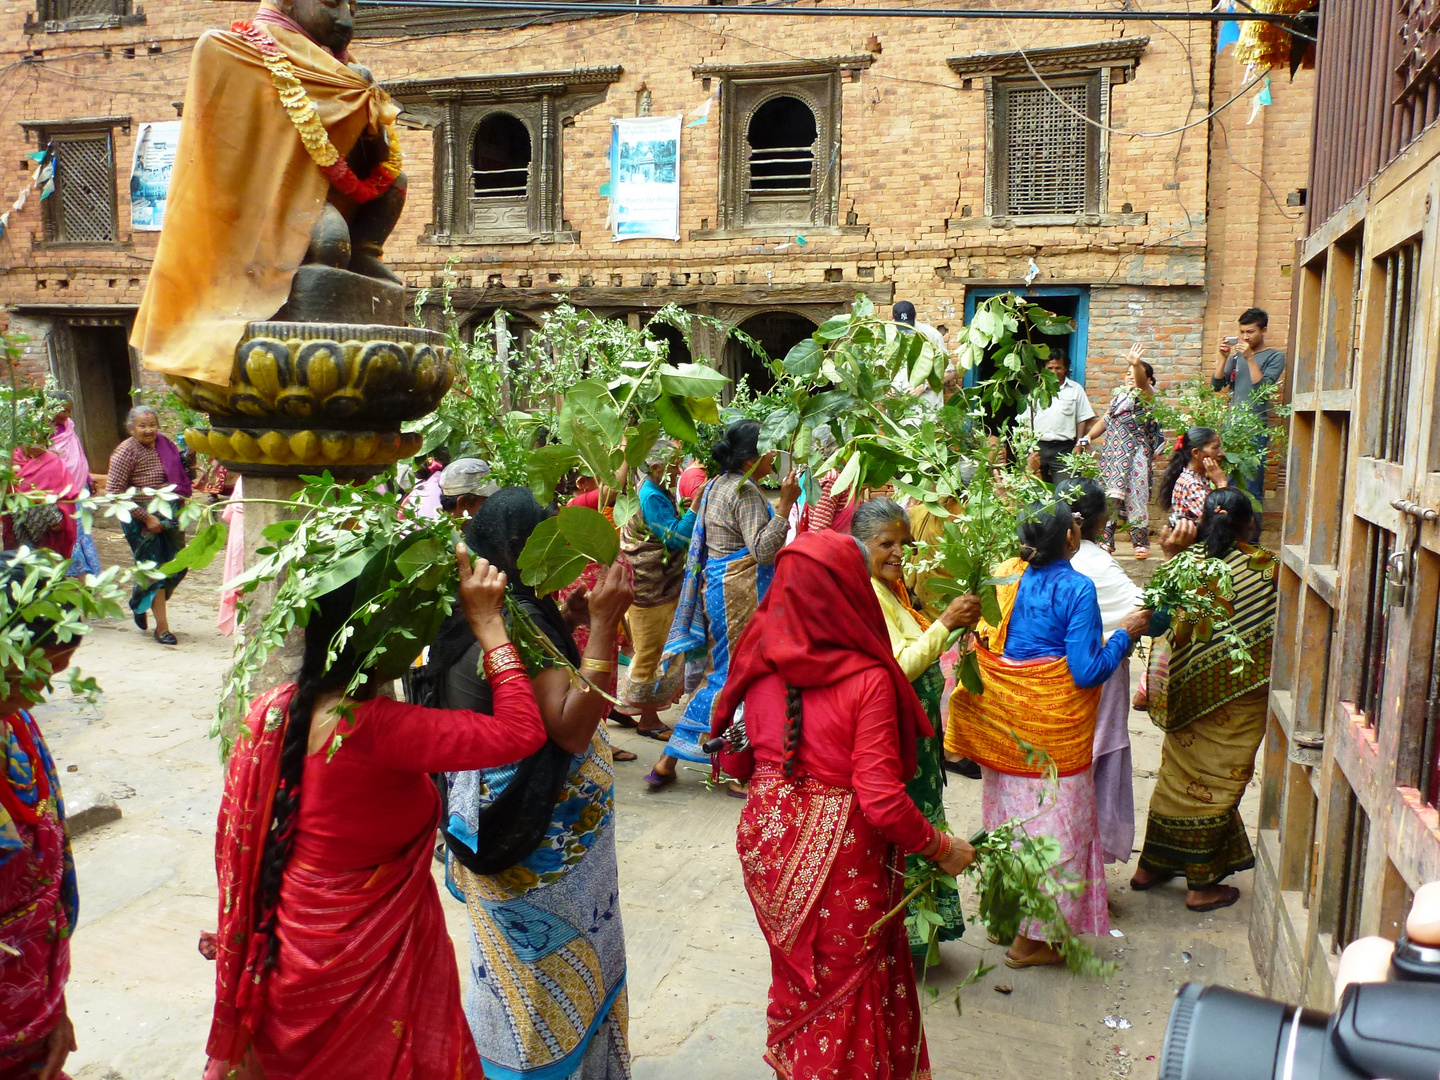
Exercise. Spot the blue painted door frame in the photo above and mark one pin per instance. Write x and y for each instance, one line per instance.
(1079, 340)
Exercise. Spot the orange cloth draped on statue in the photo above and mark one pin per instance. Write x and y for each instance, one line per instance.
(244, 196)
(1036, 701)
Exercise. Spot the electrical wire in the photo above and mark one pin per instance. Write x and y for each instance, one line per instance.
(1285, 22)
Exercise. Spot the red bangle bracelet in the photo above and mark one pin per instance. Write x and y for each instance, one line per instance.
(505, 677)
(501, 659)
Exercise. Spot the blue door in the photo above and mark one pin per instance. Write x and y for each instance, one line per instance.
(1072, 301)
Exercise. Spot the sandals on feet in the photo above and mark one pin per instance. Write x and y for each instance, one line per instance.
(1228, 895)
(1038, 958)
(1142, 553)
(167, 638)
(659, 734)
(657, 780)
(1153, 883)
(620, 719)
(616, 754)
(141, 620)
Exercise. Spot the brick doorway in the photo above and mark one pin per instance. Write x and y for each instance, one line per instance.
(100, 379)
(777, 332)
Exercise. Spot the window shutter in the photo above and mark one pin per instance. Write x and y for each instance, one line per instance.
(82, 207)
(1047, 158)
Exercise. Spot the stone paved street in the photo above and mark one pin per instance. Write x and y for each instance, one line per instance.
(140, 993)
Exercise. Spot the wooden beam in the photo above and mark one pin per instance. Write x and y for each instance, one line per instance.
(649, 297)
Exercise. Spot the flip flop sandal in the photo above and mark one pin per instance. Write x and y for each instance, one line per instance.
(657, 782)
(167, 638)
(734, 794)
(1228, 897)
(660, 734)
(1153, 883)
(1033, 960)
(1142, 553)
(616, 754)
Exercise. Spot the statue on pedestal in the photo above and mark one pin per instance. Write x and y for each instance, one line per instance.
(269, 305)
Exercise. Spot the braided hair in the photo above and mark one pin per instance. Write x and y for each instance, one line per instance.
(317, 676)
(792, 731)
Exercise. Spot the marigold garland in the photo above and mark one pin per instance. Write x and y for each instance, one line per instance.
(313, 135)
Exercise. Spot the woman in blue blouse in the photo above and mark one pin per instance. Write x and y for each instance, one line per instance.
(655, 542)
(1044, 688)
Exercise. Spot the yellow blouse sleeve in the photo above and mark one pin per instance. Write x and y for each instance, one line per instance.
(915, 650)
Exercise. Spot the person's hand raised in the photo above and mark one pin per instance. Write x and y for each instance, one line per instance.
(1178, 538)
(790, 490)
(611, 597)
(482, 588)
(1215, 473)
(962, 611)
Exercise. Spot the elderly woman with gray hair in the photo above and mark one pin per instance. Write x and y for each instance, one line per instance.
(883, 529)
(655, 542)
(149, 461)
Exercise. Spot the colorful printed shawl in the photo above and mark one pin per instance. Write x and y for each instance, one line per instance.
(39, 902)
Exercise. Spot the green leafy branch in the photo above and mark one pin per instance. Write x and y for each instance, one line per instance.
(1197, 592)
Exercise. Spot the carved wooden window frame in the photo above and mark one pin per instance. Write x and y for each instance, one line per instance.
(60, 16)
(57, 133)
(744, 88)
(454, 108)
(1101, 65)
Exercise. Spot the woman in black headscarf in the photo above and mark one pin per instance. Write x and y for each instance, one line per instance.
(539, 833)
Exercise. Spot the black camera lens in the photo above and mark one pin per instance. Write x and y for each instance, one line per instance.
(1219, 1034)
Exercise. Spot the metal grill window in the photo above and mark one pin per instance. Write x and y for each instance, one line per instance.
(1047, 150)
(82, 208)
(782, 140)
(1402, 279)
(501, 157)
(1377, 624)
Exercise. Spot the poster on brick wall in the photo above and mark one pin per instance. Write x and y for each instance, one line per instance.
(645, 177)
(150, 173)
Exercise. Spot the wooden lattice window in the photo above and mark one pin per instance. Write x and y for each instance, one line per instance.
(1402, 280)
(82, 208)
(58, 15)
(1381, 548)
(1047, 153)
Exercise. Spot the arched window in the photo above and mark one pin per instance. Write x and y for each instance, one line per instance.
(782, 146)
(501, 157)
(777, 332)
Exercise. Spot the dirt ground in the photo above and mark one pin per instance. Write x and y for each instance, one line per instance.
(140, 993)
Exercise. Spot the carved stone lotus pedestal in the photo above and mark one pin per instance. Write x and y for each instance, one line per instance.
(309, 396)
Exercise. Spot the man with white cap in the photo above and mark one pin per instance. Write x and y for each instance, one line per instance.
(465, 485)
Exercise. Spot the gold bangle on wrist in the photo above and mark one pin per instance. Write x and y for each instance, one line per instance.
(603, 667)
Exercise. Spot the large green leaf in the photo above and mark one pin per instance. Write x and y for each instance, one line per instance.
(590, 533)
(639, 439)
(341, 572)
(803, 360)
(423, 554)
(833, 329)
(990, 605)
(675, 418)
(561, 547)
(200, 551)
(968, 671)
(704, 409)
(595, 454)
(692, 380)
(777, 428)
(588, 404)
(546, 465)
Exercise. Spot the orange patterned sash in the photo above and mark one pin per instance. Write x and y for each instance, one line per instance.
(1028, 706)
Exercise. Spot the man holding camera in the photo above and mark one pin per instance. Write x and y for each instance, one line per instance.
(1244, 366)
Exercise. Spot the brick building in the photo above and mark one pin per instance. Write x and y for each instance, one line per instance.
(916, 159)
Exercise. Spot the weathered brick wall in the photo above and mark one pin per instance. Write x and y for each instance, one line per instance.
(913, 157)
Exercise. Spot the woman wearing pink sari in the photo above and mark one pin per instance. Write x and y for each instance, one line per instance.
(43, 524)
(65, 443)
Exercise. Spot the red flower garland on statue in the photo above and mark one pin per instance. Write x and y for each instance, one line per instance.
(313, 135)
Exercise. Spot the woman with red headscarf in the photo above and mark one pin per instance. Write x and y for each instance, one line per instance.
(832, 724)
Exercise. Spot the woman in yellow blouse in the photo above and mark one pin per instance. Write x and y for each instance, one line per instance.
(883, 528)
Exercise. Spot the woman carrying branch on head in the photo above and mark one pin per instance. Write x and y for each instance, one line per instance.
(917, 642)
(832, 723)
(655, 541)
(332, 957)
(39, 902)
(1118, 596)
(1132, 438)
(532, 839)
(148, 460)
(1043, 670)
(1213, 713)
(729, 566)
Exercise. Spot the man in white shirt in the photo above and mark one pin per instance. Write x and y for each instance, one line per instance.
(1061, 423)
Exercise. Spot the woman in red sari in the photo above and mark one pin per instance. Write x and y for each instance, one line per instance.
(333, 961)
(832, 724)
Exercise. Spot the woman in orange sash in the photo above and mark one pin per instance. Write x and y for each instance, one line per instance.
(1043, 669)
(825, 831)
(333, 961)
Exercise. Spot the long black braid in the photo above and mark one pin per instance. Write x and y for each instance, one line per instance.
(315, 678)
(792, 730)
